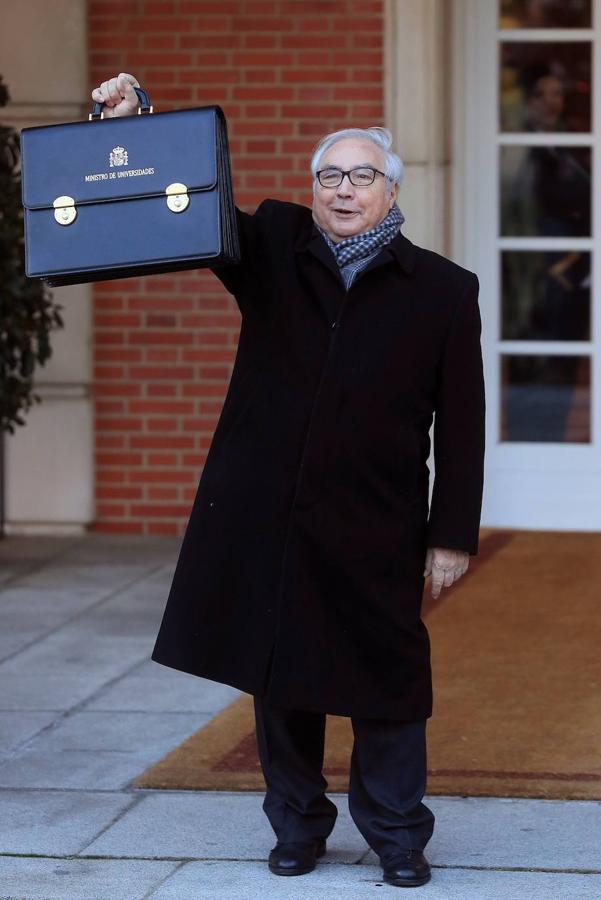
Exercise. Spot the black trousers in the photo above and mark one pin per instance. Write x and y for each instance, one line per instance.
(387, 779)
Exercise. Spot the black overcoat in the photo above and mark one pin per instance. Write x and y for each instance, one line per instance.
(301, 570)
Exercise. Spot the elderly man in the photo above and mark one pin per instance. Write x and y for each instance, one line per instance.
(301, 573)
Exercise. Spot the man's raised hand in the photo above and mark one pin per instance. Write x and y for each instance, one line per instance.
(118, 95)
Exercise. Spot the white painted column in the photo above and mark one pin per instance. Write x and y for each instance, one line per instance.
(49, 466)
(417, 108)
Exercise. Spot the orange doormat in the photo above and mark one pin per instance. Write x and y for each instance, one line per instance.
(517, 684)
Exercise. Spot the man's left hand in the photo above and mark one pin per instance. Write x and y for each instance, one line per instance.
(445, 566)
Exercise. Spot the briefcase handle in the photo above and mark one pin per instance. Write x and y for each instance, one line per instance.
(145, 106)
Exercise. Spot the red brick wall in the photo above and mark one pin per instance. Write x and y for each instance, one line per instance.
(285, 73)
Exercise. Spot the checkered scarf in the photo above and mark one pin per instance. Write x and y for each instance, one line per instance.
(361, 245)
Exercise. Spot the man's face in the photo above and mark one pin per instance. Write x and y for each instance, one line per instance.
(546, 102)
(348, 210)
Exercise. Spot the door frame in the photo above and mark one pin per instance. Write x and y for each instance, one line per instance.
(527, 485)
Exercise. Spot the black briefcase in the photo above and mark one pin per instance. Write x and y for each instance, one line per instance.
(128, 196)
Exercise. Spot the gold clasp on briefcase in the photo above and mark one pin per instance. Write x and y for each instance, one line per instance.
(177, 197)
(64, 210)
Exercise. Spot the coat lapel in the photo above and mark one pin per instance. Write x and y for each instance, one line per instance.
(400, 249)
(311, 243)
(310, 246)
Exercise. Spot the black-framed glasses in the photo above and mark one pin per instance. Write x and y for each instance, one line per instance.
(359, 176)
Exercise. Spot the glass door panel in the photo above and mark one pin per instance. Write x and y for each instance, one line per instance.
(545, 191)
(545, 398)
(545, 87)
(545, 295)
(545, 14)
(545, 195)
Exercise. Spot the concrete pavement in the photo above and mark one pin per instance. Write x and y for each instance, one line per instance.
(83, 711)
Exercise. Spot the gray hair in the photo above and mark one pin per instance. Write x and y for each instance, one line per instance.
(381, 137)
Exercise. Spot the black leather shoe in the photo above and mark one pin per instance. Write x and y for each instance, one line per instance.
(410, 869)
(296, 857)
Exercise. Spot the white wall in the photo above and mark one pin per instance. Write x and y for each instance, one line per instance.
(49, 466)
(417, 97)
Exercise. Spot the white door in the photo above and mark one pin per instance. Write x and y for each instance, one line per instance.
(527, 220)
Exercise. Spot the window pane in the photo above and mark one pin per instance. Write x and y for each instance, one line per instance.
(545, 87)
(545, 398)
(545, 191)
(545, 14)
(545, 296)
